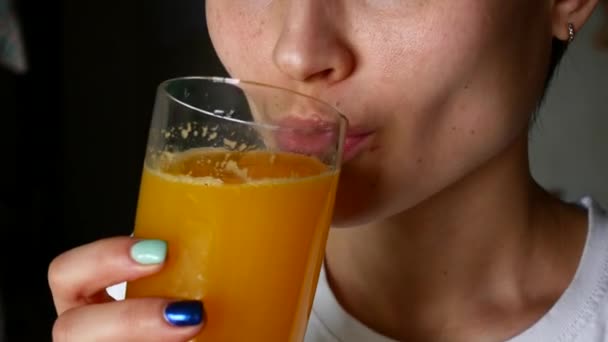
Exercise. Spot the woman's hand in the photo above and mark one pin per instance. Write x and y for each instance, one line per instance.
(78, 279)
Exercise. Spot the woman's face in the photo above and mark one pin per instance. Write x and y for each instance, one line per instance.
(432, 88)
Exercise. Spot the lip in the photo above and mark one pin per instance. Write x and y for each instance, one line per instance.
(354, 143)
(312, 136)
(305, 135)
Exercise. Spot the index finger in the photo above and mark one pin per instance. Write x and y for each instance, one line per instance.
(81, 275)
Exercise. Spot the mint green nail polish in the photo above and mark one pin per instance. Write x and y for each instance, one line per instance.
(149, 252)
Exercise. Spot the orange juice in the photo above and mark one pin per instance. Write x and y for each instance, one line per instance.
(246, 234)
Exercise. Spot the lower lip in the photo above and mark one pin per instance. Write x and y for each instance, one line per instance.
(353, 145)
(317, 144)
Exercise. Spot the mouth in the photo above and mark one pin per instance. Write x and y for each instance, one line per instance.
(314, 137)
(309, 136)
(354, 143)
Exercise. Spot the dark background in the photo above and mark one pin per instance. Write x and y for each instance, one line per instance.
(73, 130)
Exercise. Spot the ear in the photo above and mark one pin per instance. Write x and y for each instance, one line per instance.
(575, 12)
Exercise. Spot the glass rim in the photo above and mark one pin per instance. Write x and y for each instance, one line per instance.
(341, 118)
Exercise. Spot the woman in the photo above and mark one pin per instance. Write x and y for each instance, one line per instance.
(441, 232)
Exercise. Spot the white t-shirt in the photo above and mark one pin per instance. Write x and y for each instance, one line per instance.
(580, 315)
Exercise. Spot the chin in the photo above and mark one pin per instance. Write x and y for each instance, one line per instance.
(354, 212)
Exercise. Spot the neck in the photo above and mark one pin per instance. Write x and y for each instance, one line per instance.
(471, 247)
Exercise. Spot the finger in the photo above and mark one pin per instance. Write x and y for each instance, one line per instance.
(81, 275)
(148, 319)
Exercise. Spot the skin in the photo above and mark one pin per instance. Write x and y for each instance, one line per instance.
(441, 232)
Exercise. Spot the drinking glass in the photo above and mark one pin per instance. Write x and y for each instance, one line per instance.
(240, 179)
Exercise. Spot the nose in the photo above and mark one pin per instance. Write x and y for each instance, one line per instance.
(311, 46)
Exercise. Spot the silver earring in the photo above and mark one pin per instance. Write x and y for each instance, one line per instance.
(571, 32)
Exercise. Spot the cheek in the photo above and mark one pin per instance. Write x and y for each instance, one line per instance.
(457, 83)
(439, 48)
(240, 36)
(448, 97)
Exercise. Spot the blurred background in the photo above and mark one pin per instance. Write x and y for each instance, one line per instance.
(74, 118)
(569, 144)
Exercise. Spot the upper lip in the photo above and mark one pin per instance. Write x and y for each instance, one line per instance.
(313, 123)
(310, 133)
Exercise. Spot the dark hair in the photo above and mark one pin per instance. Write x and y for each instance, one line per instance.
(558, 48)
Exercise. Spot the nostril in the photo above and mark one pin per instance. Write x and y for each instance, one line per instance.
(326, 73)
(322, 75)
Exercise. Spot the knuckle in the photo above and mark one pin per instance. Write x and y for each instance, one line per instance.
(137, 321)
(131, 316)
(63, 330)
(55, 273)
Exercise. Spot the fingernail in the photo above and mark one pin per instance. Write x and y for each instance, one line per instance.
(185, 313)
(149, 252)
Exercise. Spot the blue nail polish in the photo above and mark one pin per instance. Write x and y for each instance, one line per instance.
(185, 313)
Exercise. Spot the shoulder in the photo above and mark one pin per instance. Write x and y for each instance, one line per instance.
(598, 214)
(591, 324)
